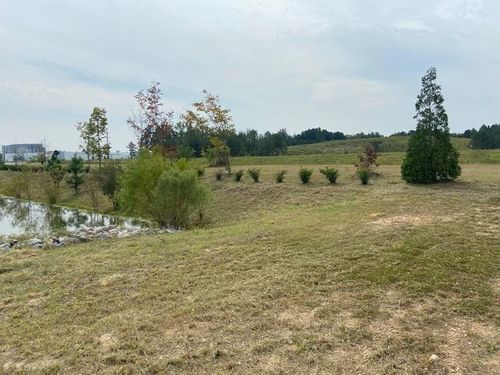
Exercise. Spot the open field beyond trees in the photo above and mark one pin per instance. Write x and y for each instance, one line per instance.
(283, 278)
(354, 145)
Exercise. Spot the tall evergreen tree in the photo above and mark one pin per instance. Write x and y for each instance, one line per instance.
(430, 156)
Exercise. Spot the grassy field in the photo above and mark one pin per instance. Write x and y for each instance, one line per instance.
(389, 158)
(284, 278)
(354, 146)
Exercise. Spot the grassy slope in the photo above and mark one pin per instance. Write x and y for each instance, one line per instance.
(291, 278)
(350, 146)
(389, 158)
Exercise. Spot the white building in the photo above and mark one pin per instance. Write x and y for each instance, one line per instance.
(22, 152)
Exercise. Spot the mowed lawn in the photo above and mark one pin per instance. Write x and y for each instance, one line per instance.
(284, 278)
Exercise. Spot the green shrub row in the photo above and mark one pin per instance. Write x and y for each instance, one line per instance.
(305, 174)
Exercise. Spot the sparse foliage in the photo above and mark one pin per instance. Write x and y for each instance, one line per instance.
(94, 135)
(368, 159)
(280, 176)
(218, 153)
(152, 125)
(20, 186)
(219, 174)
(108, 178)
(132, 150)
(56, 173)
(238, 175)
(254, 173)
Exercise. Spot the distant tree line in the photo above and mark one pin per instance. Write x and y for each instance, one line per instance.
(487, 137)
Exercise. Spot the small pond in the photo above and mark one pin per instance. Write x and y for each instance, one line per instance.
(25, 218)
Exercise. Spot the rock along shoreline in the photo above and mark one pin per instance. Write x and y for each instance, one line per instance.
(82, 234)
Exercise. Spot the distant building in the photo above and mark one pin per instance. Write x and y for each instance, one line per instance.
(22, 152)
(67, 155)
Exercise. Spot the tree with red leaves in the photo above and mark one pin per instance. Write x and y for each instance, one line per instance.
(153, 126)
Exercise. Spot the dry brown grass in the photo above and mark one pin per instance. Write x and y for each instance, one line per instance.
(285, 278)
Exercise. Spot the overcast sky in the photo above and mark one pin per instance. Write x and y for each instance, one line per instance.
(346, 65)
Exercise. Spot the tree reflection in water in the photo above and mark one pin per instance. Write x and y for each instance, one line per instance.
(28, 218)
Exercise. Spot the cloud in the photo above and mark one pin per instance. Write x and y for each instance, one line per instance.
(348, 65)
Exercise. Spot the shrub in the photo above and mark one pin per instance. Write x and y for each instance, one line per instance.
(219, 174)
(76, 170)
(280, 176)
(368, 159)
(108, 179)
(330, 173)
(364, 175)
(177, 196)
(138, 182)
(254, 173)
(184, 164)
(305, 175)
(238, 175)
(218, 154)
(56, 173)
(168, 194)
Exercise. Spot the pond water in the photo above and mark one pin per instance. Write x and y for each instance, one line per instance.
(25, 218)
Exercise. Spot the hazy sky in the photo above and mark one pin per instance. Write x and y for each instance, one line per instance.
(347, 65)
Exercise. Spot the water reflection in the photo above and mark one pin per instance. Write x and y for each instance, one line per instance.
(18, 218)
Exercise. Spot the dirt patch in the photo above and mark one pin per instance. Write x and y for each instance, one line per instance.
(107, 341)
(108, 280)
(297, 318)
(43, 365)
(410, 220)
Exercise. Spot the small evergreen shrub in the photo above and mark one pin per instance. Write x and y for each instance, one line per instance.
(330, 173)
(254, 173)
(305, 175)
(238, 175)
(75, 168)
(364, 175)
(219, 174)
(56, 173)
(280, 176)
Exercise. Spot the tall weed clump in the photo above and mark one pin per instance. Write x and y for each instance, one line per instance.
(331, 174)
(238, 175)
(305, 175)
(254, 173)
(367, 164)
(364, 175)
(219, 174)
(280, 176)
(20, 186)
